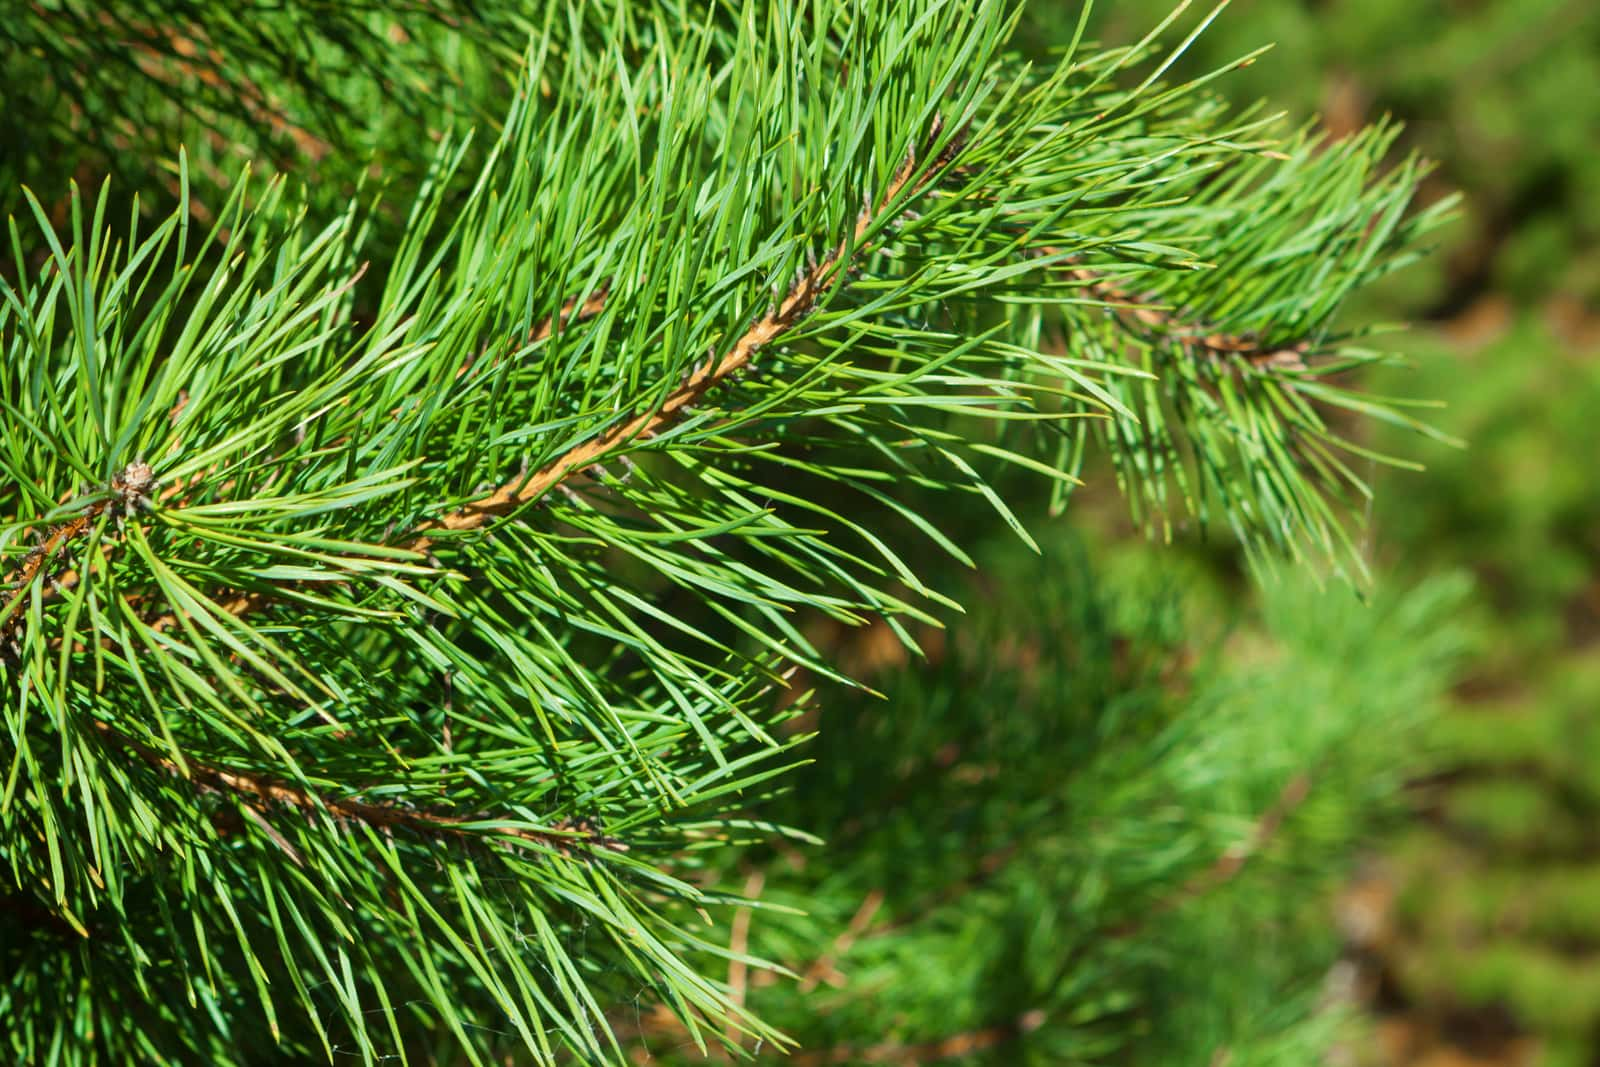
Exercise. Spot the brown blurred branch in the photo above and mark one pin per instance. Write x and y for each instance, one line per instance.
(964, 1043)
(1233, 859)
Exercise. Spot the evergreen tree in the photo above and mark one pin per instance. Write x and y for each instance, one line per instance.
(422, 607)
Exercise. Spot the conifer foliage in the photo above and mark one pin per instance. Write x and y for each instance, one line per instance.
(408, 591)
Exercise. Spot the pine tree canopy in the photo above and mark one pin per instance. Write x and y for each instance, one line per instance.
(414, 547)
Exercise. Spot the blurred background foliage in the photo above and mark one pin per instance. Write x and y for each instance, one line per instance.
(1473, 937)
(1480, 930)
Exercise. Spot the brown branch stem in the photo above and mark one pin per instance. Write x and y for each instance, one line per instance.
(1146, 314)
(738, 944)
(824, 968)
(127, 488)
(255, 789)
(572, 310)
(965, 1043)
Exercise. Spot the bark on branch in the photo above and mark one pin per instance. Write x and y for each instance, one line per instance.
(256, 789)
(1146, 315)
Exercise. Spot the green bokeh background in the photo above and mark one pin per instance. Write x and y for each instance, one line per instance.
(1492, 950)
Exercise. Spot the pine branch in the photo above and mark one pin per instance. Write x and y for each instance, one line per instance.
(252, 786)
(341, 528)
(133, 484)
(1228, 866)
(129, 489)
(1158, 324)
(813, 284)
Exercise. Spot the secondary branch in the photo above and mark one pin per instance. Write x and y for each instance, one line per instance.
(255, 786)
